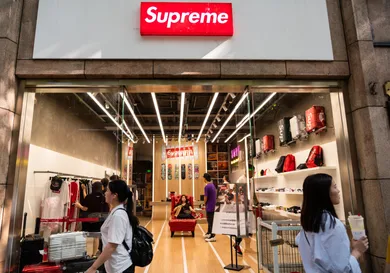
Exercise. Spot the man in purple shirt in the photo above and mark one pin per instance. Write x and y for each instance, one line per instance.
(210, 199)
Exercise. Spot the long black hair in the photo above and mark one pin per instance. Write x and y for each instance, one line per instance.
(181, 202)
(120, 188)
(317, 204)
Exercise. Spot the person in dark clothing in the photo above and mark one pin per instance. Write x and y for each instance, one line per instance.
(183, 209)
(210, 199)
(114, 177)
(93, 203)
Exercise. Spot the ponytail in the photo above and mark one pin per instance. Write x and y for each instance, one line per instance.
(120, 188)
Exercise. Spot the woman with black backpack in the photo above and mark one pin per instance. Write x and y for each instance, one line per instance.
(117, 231)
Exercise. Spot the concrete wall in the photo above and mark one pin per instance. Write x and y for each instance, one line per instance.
(365, 23)
(92, 69)
(61, 124)
(10, 18)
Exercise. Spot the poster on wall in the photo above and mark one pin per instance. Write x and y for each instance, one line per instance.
(231, 213)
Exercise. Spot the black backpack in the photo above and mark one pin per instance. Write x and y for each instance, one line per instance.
(142, 249)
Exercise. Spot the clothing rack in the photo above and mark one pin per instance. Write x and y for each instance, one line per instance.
(69, 174)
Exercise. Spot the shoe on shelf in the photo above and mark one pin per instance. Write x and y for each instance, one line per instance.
(238, 249)
(212, 239)
(206, 236)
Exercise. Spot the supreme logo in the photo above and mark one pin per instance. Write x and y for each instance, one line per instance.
(186, 19)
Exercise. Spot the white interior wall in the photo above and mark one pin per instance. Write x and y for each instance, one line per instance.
(295, 179)
(41, 159)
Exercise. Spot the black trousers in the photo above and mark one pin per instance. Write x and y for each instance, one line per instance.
(210, 220)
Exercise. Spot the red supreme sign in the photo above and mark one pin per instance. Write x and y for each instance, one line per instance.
(186, 19)
(183, 152)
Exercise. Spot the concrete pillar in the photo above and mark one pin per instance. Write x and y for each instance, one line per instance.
(370, 128)
(10, 17)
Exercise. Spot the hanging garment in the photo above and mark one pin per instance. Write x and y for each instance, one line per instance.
(54, 206)
(72, 211)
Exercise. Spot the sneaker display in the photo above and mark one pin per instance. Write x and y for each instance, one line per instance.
(212, 239)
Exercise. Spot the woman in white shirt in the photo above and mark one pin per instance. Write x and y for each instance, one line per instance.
(323, 242)
(117, 229)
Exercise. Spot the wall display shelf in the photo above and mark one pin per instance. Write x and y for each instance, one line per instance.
(299, 172)
(281, 193)
(217, 161)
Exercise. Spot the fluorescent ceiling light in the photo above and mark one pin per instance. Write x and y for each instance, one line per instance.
(231, 115)
(134, 116)
(183, 96)
(158, 115)
(248, 135)
(208, 115)
(128, 129)
(109, 115)
(243, 121)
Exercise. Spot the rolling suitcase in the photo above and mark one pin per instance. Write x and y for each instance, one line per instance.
(79, 266)
(284, 131)
(298, 127)
(315, 119)
(67, 246)
(268, 143)
(30, 246)
(258, 148)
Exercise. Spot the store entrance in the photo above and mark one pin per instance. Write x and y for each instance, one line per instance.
(161, 138)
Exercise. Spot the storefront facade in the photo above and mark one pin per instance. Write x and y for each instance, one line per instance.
(333, 42)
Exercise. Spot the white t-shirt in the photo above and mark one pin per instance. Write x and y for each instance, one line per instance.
(115, 230)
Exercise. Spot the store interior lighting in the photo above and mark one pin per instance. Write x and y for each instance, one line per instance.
(182, 101)
(248, 135)
(244, 96)
(107, 105)
(214, 125)
(224, 108)
(218, 119)
(127, 128)
(232, 95)
(158, 115)
(109, 115)
(134, 116)
(207, 115)
(245, 120)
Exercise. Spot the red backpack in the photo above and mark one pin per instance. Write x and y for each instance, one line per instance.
(289, 163)
(316, 157)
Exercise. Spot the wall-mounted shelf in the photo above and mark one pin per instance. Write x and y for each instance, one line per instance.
(299, 172)
(281, 193)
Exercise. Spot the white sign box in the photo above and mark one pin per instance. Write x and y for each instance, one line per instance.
(110, 29)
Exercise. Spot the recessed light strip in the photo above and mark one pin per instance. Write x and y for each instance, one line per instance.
(134, 116)
(245, 137)
(208, 115)
(109, 115)
(128, 129)
(183, 96)
(158, 116)
(252, 115)
(243, 119)
(231, 115)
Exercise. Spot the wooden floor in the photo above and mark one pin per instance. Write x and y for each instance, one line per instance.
(193, 255)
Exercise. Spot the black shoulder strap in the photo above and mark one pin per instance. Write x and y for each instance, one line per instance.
(124, 241)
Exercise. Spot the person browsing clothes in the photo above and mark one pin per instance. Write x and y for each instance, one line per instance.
(183, 209)
(210, 199)
(117, 229)
(323, 241)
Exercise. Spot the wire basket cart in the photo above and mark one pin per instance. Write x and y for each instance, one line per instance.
(278, 252)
